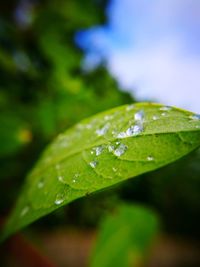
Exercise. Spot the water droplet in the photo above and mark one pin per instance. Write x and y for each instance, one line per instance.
(88, 126)
(98, 150)
(130, 107)
(165, 108)
(76, 175)
(195, 117)
(111, 148)
(139, 116)
(61, 178)
(164, 114)
(117, 143)
(114, 133)
(93, 164)
(24, 210)
(114, 169)
(108, 117)
(120, 150)
(150, 158)
(59, 199)
(40, 183)
(103, 130)
(122, 135)
(134, 130)
(155, 117)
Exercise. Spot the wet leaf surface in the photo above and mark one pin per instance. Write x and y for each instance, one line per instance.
(101, 151)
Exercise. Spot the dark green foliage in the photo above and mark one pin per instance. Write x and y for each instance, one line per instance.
(42, 88)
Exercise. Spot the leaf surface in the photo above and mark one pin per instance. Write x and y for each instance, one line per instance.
(101, 151)
(125, 237)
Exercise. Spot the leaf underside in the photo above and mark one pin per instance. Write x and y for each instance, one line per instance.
(101, 151)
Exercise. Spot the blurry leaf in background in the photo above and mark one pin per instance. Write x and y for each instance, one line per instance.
(104, 150)
(14, 134)
(125, 237)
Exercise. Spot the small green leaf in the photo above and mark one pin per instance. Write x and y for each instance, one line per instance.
(101, 151)
(125, 237)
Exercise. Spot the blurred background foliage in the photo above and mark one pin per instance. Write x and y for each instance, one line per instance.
(44, 90)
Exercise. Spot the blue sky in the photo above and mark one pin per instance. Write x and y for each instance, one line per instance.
(152, 48)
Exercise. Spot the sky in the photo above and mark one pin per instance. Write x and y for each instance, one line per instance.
(152, 48)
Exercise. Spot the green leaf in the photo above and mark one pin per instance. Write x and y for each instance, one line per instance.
(125, 237)
(101, 151)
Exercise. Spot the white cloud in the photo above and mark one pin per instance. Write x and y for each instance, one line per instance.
(159, 73)
(153, 48)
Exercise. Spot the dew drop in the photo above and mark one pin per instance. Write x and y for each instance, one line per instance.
(139, 116)
(59, 199)
(195, 117)
(150, 158)
(93, 164)
(61, 178)
(130, 107)
(24, 211)
(165, 108)
(114, 133)
(114, 169)
(103, 130)
(108, 117)
(164, 114)
(120, 150)
(134, 130)
(111, 148)
(63, 142)
(76, 175)
(88, 126)
(40, 184)
(122, 135)
(155, 117)
(98, 150)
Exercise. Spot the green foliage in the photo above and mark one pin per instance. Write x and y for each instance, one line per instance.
(125, 237)
(104, 150)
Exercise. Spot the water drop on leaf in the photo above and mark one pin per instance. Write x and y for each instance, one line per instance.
(24, 211)
(120, 150)
(195, 117)
(139, 116)
(93, 164)
(59, 199)
(150, 158)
